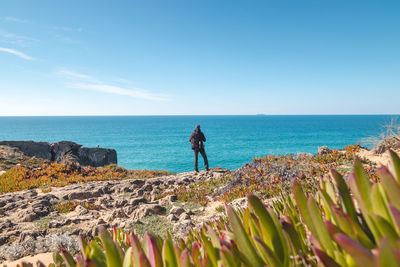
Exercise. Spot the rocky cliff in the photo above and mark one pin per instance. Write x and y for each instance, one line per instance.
(65, 152)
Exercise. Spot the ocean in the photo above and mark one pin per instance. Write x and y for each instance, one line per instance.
(162, 142)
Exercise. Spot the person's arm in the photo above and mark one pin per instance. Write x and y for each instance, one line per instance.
(203, 137)
(191, 137)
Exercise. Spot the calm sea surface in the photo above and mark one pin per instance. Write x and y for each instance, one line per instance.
(161, 142)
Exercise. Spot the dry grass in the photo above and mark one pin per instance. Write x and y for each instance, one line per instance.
(390, 139)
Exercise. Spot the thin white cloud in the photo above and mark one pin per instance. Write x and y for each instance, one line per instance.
(83, 81)
(20, 40)
(16, 53)
(77, 76)
(13, 19)
(119, 91)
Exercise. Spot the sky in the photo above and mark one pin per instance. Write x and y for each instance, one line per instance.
(188, 57)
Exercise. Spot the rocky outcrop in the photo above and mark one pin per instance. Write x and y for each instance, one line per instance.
(65, 152)
(32, 221)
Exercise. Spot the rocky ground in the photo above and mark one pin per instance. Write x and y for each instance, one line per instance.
(43, 220)
(34, 222)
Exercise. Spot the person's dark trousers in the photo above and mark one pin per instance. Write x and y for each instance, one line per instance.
(196, 157)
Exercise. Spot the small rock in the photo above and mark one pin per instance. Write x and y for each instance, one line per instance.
(7, 224)
(129, 209)
(54, 224)
(190, 212)
(137, 201)
(3, 239)
(119, 213)
(140, 192)
(79, 210)
(100, 221)
(164, 201)
(184, 216)
(159, 209)
(177, 211)
(146, 210)
(101, 201)
(172, 218)
(75, 231)
(27, 216)
(121, 203)
(9, 206)
(80, 195)
(30, 233)
(147, 188)
(126, 189)
(323, 150)
(137, 182)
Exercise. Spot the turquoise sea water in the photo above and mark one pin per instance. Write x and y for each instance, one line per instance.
(161, 142)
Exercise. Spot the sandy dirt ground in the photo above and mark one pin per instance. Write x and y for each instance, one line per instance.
(380, 159)
(45, 258)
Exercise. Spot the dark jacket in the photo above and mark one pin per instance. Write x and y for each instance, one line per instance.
(197, 138)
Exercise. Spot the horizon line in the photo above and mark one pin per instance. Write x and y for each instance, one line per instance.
(193, 115)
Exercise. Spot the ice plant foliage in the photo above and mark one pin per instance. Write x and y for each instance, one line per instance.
(58, 175)
(341, 224)
(270, 176)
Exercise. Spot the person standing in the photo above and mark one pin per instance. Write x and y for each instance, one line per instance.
(196, 139)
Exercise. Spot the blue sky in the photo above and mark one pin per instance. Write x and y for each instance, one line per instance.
(199, 57)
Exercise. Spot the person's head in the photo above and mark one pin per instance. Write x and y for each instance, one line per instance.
(197, 128)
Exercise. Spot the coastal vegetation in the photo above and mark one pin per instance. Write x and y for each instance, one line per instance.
(353, 223)
(47, 174)
(307, 205)
(271, 176)
(266, 176)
